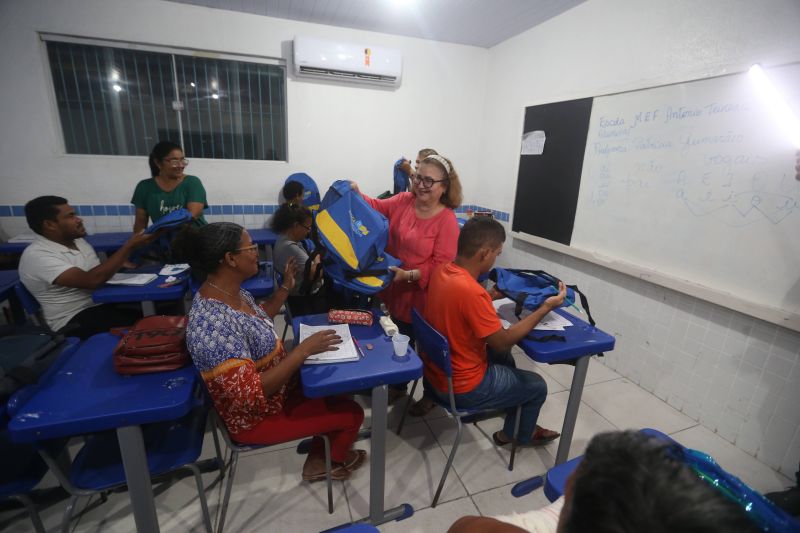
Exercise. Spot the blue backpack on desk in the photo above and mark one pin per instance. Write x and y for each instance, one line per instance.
(528, 288)
(354, 236)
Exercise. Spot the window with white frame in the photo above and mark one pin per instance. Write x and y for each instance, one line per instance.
(118, 100)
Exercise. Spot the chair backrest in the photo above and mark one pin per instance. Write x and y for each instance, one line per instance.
(432, 343)
(30, 304)
(311, 198)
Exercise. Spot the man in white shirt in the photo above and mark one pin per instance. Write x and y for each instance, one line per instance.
(61, 269)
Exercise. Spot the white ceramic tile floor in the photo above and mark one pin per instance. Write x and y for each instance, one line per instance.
(268, 494)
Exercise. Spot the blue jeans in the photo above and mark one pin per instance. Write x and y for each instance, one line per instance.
(504, 386)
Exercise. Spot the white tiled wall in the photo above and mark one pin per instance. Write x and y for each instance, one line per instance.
(736, 375)
(246, 221)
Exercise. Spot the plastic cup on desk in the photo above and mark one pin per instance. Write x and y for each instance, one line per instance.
(400, 344)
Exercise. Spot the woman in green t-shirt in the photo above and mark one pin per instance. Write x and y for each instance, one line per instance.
(169, 188)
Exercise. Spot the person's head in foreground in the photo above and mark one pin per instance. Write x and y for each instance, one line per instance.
(629, 482)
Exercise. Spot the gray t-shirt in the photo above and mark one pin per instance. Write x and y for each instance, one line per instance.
(284, 249)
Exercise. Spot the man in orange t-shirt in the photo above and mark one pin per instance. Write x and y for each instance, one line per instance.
(459, 308)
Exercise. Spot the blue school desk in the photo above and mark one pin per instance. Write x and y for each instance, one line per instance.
(82, 394)
(101, 242)
(146, 294)
(375, 370)
(263, 236)
(108, 242)
(581, 341)
(113, 241)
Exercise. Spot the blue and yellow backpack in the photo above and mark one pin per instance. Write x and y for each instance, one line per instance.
(354, 236)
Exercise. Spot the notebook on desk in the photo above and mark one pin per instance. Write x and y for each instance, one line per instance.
(131, 279)
(346, 350)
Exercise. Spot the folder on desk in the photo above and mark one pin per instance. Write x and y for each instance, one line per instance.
(346, 350)
(131, 279)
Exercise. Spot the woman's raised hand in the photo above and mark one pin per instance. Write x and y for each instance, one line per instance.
(290, 273)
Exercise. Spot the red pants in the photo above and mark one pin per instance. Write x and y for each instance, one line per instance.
(337, 417)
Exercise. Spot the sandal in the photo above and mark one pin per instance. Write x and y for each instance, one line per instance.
(338, 473)
(356, 461)
(422, 407)
(545, 436)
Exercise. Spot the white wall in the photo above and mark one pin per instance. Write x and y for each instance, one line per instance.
(737, 376)
(335, 131)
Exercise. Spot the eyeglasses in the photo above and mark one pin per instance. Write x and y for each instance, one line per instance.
(304, 226)
(426, 182)
(251, 248)
(177, 162)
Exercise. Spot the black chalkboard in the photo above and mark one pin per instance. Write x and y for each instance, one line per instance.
(548, 184)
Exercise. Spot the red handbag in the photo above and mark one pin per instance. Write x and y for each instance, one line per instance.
(153, 344)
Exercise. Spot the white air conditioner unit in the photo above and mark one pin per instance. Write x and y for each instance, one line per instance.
(330, 60)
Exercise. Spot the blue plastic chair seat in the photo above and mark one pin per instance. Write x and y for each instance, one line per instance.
(98, 465)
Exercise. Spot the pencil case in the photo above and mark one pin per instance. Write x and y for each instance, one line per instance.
(350, 316)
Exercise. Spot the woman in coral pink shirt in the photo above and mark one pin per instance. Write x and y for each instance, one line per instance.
(423, 233)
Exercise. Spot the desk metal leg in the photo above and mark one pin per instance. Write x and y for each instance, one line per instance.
(137, 474)
(148, 308)
(573, 404)
(377, 464)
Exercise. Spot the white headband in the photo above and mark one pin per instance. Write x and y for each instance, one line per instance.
(441, 160)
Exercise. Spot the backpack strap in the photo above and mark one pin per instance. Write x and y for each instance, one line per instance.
(349, 274)
(585, 305)
(308, 275)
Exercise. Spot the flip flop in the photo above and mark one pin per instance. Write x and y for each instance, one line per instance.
(533, 442)
(543, 440)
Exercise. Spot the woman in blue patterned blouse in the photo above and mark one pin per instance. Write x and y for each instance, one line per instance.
(252, 379)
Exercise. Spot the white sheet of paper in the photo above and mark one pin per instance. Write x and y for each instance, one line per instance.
(131, 279)
(346, 350)
(533, 143)
(172, 270)
(505, 310)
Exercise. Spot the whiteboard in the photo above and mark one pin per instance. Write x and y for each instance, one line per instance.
(695, 182)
